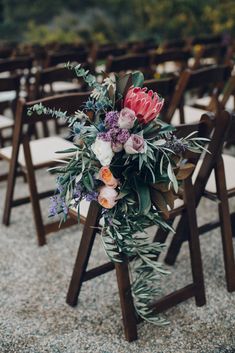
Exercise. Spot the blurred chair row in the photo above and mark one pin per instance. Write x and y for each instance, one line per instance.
(188, 93)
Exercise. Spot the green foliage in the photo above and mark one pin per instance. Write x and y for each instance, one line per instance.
(44, 21)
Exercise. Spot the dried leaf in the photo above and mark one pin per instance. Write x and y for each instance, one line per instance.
(159, 201)
(163, 187)
(185, 171)
(170, 198)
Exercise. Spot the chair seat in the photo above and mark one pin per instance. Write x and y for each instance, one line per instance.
(42, 151)
(5, 122)
(191, 115)
(229, 167)
(83, 211)
(7, 96)
(84, 207)
(205, 101)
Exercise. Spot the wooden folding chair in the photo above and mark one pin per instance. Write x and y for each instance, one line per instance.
(33, 155)
(214, 54)
(213, 179)
(14, 65)
(169, 61)
(19, 66)
(206, 40)
(55, 58)
(92, 217)
(53, 81)
(11, 88)
(175, 44)
(144, 46)
(99, 53)
(225, 100)
(212, 78)
(129, 62)
(6, 52)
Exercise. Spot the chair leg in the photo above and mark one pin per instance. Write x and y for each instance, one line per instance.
(226, 228)
(41, 235)
(13, 167)
(179, 237)
(84, 251)
(162, 234)
(127, 305)
(194, 246)
(10, 191)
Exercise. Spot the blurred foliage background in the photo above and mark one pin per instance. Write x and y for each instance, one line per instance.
(76, 21)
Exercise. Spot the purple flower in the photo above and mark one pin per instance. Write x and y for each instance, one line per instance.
(115, 135)
(122, 136)
(105, 136)
(58, 204)
(60, 187)
(64, 208)
(92, 195)
(111, 119)
(77, 192)
(53, 206)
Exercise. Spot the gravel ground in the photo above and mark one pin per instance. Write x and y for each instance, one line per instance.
(34, 317)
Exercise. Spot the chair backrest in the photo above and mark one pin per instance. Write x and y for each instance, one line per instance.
(210, 54)
(48, 77)
(175, 44)
(128, 62)
(5, 52)
(56, 58)
(102, 53)
(205, 40)
(176, 55)
(9, 84)
(215, 76)
(145, 46)
(217, 128)
(16, 64)
(64, 102)
(222, 126)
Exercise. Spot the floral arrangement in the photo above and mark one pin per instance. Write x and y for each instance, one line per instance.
(131, 163)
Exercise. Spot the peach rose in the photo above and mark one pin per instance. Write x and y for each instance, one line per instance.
(107, 197)
(107, 177)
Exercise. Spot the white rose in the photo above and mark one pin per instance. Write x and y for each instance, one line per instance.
(103, 151)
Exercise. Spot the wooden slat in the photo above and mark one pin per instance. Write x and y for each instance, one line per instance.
(99, 270)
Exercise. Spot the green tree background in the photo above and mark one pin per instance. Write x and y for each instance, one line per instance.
(43, 21)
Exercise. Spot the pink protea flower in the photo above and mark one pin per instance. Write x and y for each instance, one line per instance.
(146, 105)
